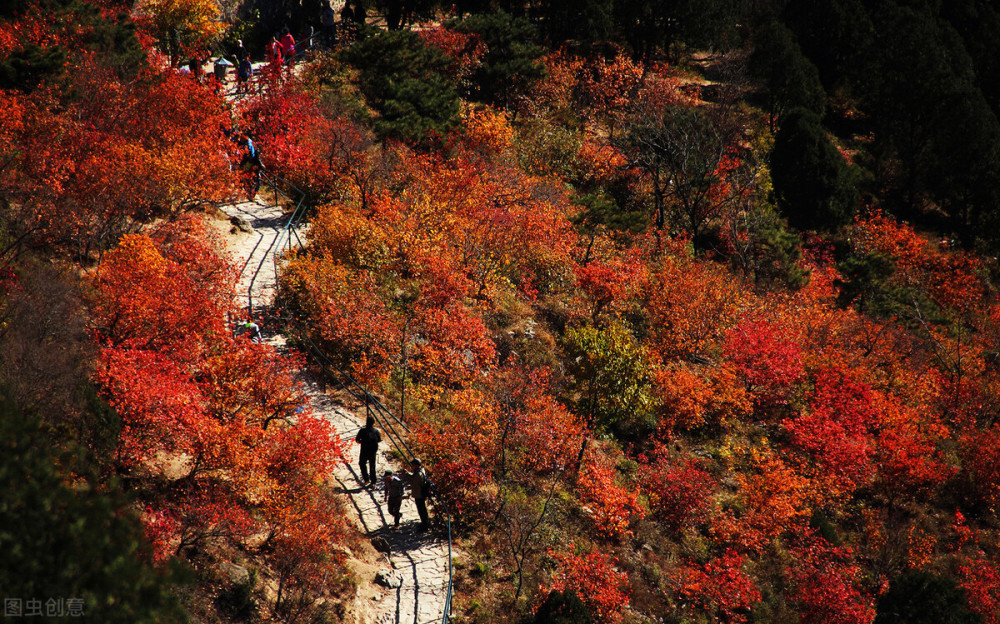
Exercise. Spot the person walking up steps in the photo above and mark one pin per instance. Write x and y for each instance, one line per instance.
(368, 437)
(393, 495)
(420, 488)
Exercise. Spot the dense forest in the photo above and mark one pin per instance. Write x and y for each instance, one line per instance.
(691, 305)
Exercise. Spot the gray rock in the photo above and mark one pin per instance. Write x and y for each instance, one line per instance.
(237, 574)
(241, 223)
(389, 578)
(381, 544)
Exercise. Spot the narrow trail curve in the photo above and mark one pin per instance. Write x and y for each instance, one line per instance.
(418, 562)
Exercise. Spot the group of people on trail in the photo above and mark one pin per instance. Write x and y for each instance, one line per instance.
(394, 483)
(281, 49)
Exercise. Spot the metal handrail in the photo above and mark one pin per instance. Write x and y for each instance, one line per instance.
(276, 244)
(355, 389)
(380, 413)
(397, 441)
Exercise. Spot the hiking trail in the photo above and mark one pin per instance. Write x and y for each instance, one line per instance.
(412, 585)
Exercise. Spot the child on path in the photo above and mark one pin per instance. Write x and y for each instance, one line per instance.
(394, 495)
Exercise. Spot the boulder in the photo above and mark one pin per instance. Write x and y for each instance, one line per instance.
(381, 544)
(241, 223)
(389, 578)
(237, 574)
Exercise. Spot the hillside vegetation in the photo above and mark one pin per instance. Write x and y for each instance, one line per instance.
(691, 306)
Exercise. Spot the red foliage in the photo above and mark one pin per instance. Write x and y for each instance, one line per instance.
(295, 138)
(951, 278)
(824, 579)
(160, 529)
(170, 295)
(88, 167)
(980, 453)
(466, 51)
(720, 588)
(768, 358)
(837, 430)
(215, 434)
(980, 578)
(162, 409)
(604, 589)
(609, 286)
(908, 459)
(679, 491)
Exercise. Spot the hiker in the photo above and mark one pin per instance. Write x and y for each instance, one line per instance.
(243, 73)
(250, 163)
(348, 29)
(420, 486)
(241, 52)
(328, 20)
(252, 330)
(195, 67)
(394, 14)
(360, 15)
(273, 52)
(393, 494)
(287, 43)
(368, 437)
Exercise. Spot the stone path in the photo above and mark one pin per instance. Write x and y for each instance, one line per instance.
(415, 575)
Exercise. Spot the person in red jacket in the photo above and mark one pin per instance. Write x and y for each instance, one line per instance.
(288, 46)
(273, 51)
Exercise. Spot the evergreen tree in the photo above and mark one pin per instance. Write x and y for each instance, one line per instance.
(651, 25)
(924, 598)
(61, 539)
(935, 136)
(73, 24)
(511, 64)
(788, 80)
(837, 36)
(404, 80)
(584, 21)
(563, 608)
(813, 186)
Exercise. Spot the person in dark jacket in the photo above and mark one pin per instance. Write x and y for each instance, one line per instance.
(368, 437)
(420, 490)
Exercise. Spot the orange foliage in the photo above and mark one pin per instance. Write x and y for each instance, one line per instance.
(146, 299)
(488, 132)
(775, 500)
(690, 306)
(690, 398)
(612, 506)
